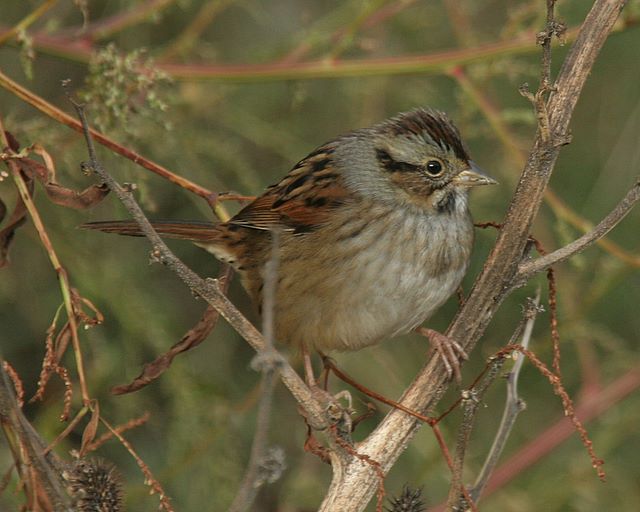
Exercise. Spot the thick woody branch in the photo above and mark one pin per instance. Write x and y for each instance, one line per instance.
(529, 268)
(354, 482)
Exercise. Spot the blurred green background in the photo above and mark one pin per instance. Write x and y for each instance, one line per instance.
(228, 134)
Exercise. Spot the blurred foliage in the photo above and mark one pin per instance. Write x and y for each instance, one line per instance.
(227, 135)
(124, 89)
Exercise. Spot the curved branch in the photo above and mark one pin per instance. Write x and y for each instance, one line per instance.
(529, 268)
(62, 117)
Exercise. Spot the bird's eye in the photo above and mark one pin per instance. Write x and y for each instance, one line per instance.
(434, 167)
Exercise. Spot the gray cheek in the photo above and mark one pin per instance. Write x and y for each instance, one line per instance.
(356, 160)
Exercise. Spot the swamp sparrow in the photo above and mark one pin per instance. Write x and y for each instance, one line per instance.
(375, 233)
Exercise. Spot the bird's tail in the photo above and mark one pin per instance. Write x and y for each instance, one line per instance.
(194, 231)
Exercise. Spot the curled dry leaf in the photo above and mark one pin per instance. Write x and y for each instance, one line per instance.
(90, 430)
(151, 371)
(196, 335)
(31, 171)
(58, 194)
(17, 218)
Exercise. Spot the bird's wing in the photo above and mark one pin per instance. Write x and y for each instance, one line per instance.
(302, 200)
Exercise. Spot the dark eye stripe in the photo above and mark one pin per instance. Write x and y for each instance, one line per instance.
(391, 165)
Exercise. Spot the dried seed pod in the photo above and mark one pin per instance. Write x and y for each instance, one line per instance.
(95, 486)
(409, 501)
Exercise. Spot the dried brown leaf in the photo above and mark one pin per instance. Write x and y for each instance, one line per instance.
(90, 430)
(151, 371)
(17, 218)
(196, 335)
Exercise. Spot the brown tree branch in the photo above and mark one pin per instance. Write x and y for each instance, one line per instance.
(354, 483)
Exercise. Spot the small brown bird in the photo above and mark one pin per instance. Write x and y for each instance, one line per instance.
(375, 233)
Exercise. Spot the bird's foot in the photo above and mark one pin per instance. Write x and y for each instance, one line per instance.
(449, 350)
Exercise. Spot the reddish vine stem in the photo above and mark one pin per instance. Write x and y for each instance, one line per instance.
(567, 403)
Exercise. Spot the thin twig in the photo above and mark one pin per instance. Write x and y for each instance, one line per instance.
(548, 440)
(567, 404)
(513, 405)
(330, 365)
(63, 277)
(150, 480)
(566, 214)
(252, 480)
(208, 289)
(268, 365)
(131, 424)
(68, 429)
(506, 135)
(544, 39)
(459, 498)
(55, 113)
(471, 400)
(528, 269)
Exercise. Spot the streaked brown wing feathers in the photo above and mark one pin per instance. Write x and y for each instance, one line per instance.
(301, 201)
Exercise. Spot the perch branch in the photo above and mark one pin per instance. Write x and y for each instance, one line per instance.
(208, 289)
(354, 483)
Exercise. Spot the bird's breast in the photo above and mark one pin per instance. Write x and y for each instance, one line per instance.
(372, 273)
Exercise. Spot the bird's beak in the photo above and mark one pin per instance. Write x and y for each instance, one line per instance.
(474, 176)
